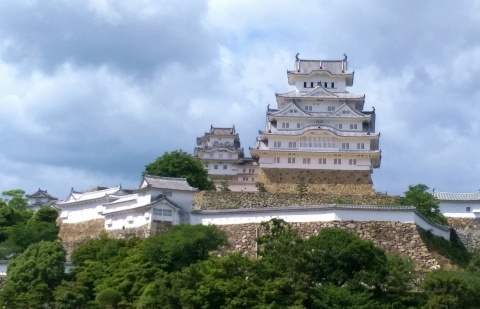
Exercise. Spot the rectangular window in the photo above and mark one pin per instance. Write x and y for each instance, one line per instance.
(245, 178)
(308, 108)
(277, 144)
(360, 146)
(276, 159)
(230, 155)
(220, 155)
(292, 144)
(224, 166)
(468, 209)
(298, 126)
(353, 126)
(331, 108)
(339, 126)
(244, 170)
(285, 125)
(215, 166)
(251, 170)
(322, 161)
(291, 160)
(352, 161)
(311, 84)
(333, 85)
(337, 161)
(345, 146)
(304, 84)
(325, 85)
(306, 160)
(210, 155)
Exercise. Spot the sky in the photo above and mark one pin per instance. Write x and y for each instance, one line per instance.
(93, 90)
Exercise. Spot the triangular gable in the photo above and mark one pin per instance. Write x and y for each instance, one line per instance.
(347, 111)
(319, 91)
(291, 109)
(164, 203)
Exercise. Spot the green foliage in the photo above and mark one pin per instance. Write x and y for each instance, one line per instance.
(453, 249)
(335, 297)
(224, 186)
(338, 257)
(401, 274)
(451, 289)
(180, 164)
(302, 187)
(41, 226)
(182, 245)
(70, 295)
(108, 297)
(260, 186)
(424, 202)
(15, 198)
(34, 274)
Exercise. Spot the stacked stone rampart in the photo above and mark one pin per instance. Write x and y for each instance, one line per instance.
(468, 231)
(75, 234)
(337, 182)
(395, 237)
(234, 200)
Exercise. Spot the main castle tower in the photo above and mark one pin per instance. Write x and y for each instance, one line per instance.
(319, 134)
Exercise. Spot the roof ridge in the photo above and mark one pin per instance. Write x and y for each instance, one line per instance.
(166, 177)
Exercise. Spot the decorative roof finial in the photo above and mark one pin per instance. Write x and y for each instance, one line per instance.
(268, 107)
(373, 107)
(296, 56)
(345, 55)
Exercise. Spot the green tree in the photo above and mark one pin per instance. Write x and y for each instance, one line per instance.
(424, 202)
(15, 198)
(181, 164)
(108, 297)
(181, 246)
(34, 274)
(260, 186)
(451, 289)
(302, 187)
(224, 186)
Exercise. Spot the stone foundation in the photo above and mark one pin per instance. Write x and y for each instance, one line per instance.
(468, 231)
(73, 235)
(401, 238)
(337, 182)
(234, 200)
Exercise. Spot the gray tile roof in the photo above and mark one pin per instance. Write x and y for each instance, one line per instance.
(450, 196)
(169, 183)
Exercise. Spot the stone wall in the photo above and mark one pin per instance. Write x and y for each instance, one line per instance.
(468, 231)
(338, 182)
(234, 200)
(73, 235)
(401, 238)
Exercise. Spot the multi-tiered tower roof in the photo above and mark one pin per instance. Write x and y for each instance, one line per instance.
(319, 126)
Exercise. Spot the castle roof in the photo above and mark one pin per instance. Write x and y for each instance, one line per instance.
(41, 194)
(450, 196)
(77, 196)
(169, 183)
(329, 67)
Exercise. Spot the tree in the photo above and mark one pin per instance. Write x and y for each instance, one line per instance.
(424, 202)
(34, 274)
(224, 186)
(260, 186)
(451, 289)
(108, 297)
(180, 164)
(302, 187)
(15, 198)
(181, 246)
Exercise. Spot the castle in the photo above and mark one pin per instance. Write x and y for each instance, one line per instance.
(319, 135)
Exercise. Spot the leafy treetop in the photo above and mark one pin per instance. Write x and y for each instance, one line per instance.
(181, 164)
(425, 203)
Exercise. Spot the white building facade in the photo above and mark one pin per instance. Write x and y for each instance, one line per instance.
(459, 205)
(157, 199)
(220, 151)
(319, 125)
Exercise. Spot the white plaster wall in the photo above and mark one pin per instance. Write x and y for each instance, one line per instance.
(319, 215)
(363, 163)
(427, 226)
(82, 212)
(458, 209)
(339, 83)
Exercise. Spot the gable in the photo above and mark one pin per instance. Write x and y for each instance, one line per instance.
(347, 111)
(319, 91)
(291, 109)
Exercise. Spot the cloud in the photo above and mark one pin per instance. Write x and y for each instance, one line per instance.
(93, 90)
